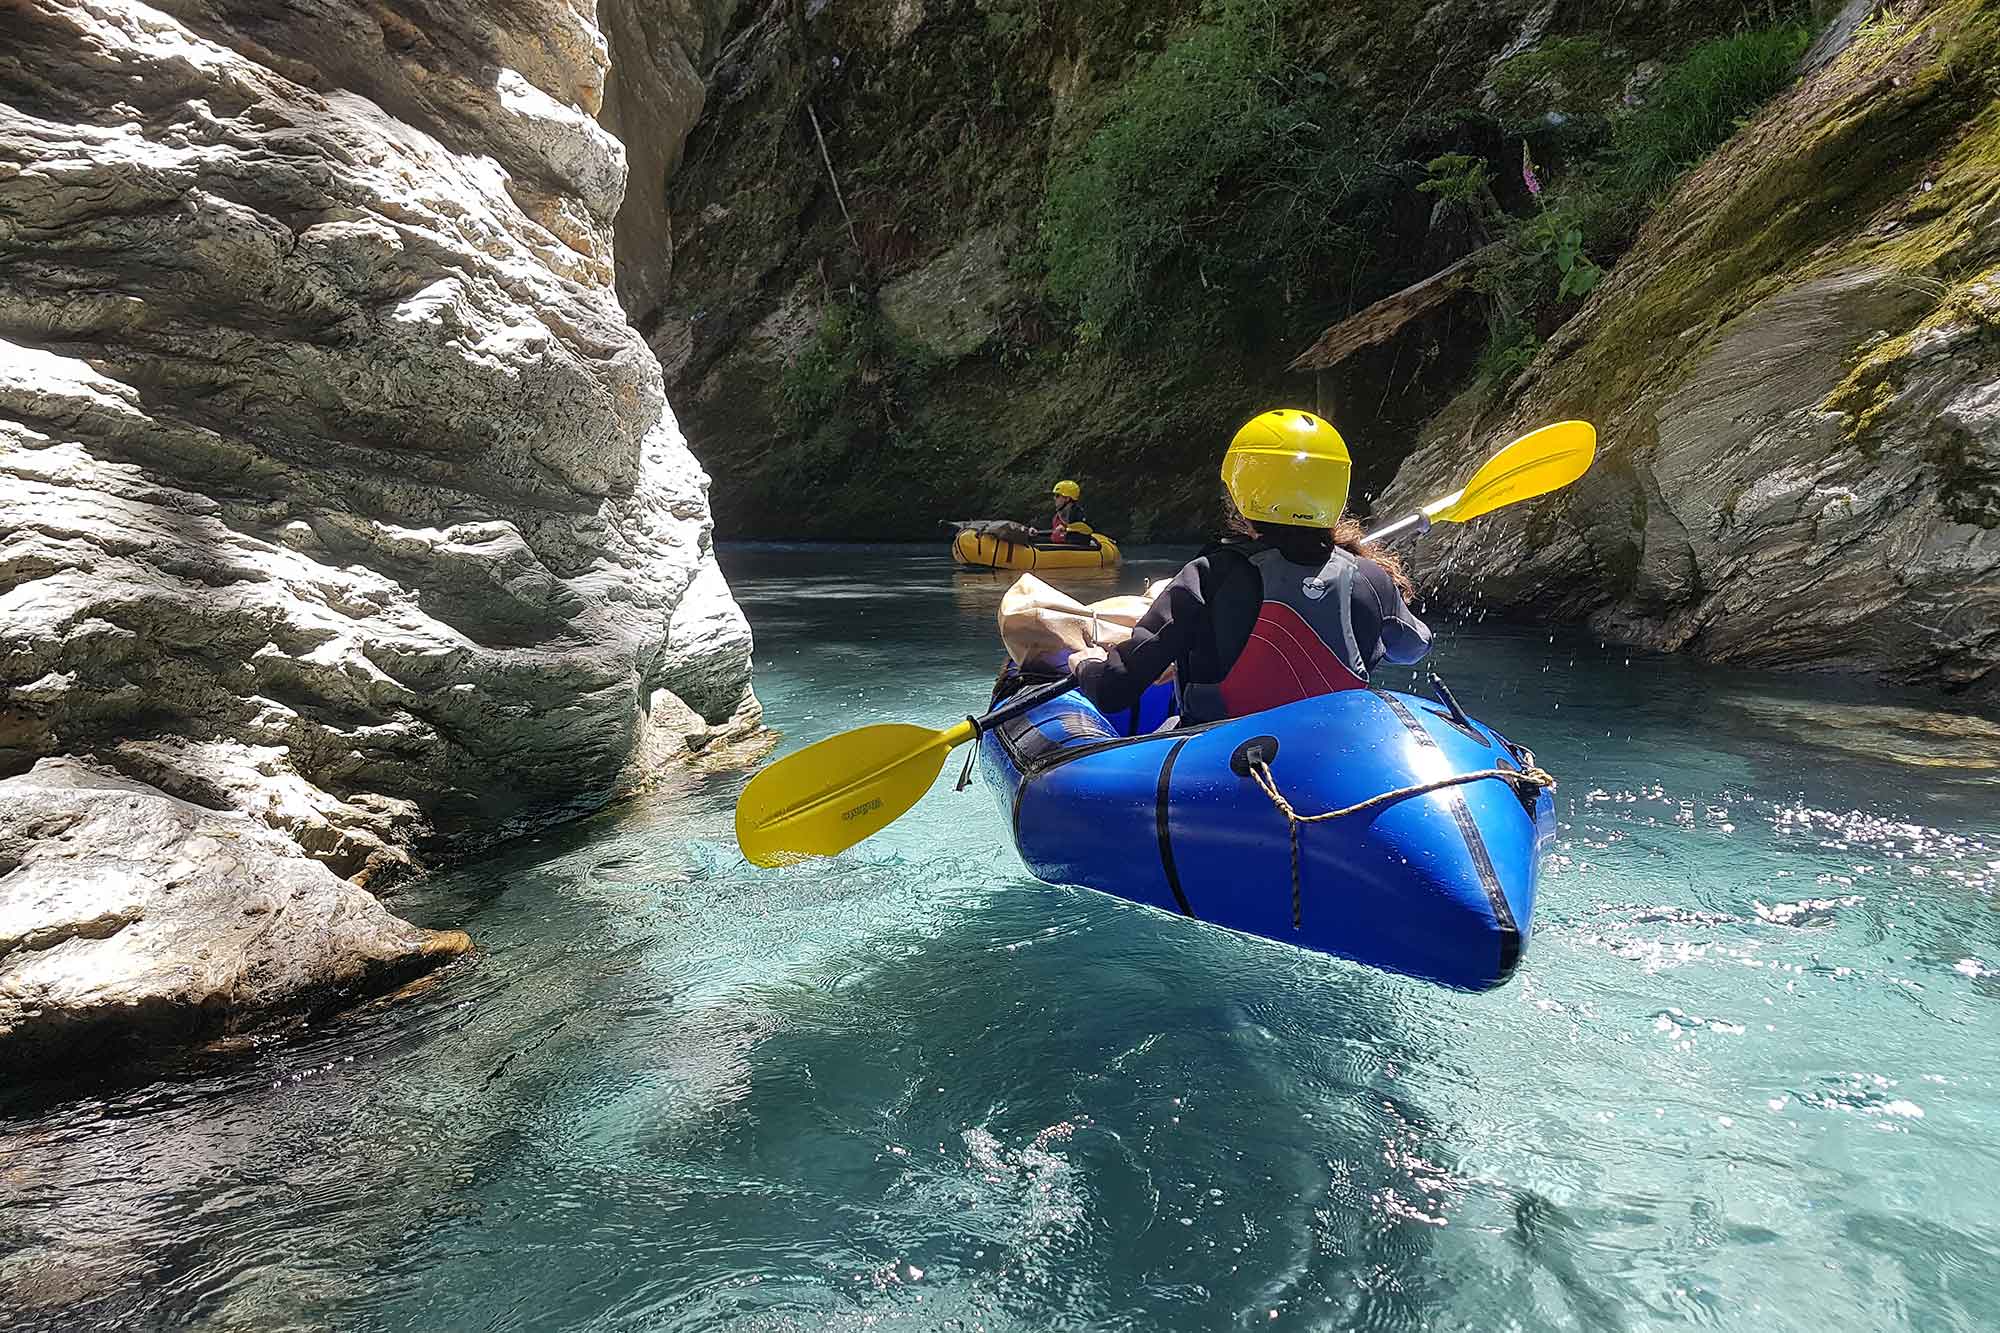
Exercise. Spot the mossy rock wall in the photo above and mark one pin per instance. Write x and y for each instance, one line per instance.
(1796, 375)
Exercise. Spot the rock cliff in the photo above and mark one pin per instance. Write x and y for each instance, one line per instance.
(338, 500)
(1796, 375)
(929, 255)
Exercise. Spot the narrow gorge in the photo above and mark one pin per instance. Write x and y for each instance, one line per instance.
(926, 255)
(1576, 912)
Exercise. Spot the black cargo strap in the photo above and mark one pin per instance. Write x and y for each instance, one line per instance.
(1163, 826)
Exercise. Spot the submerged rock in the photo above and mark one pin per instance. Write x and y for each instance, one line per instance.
(1953, 747)
(339, 504)
(1795, 374)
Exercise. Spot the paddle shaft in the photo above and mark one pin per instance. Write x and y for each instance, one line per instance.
(1540, 462)
(1388, 532)
(1421, 520)
(1021, 703)
(879, 772)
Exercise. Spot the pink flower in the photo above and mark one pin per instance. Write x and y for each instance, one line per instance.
(1528, 176)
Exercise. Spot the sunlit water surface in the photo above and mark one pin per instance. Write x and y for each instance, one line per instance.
(1748, 1076)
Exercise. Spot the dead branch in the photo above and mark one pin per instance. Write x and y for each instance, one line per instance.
(1386, 318)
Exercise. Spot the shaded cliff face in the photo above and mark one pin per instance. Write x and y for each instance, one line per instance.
(1796, 374)
(335, 491)
(654, 93)
(928, 340)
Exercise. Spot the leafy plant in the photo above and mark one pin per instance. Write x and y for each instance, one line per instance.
(1510, 347)
(1573, 74)
(1218, 162)
(825, 369)
(1594, 204)
(1459, 180)
(1551, 235)
(853, 359)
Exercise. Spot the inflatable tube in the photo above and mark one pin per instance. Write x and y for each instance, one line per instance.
(1439, 886)
(975, 550)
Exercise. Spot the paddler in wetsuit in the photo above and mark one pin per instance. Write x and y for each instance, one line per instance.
(1069, 527)
(1296, 606)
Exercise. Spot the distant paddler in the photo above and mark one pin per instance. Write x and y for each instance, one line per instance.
(1069, 527)
(1068, 543)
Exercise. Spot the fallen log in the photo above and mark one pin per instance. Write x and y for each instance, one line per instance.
(1386, 318)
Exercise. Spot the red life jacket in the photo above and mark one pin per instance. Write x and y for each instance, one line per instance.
(1301, 645)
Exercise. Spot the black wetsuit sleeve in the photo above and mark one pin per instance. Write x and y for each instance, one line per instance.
(1401, 637)
(1162, 638)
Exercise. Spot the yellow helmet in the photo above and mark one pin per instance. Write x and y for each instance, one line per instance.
(1068, 490)
(1288, 466)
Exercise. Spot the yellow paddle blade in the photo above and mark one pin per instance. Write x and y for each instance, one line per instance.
(832, 794)
(1537, 463)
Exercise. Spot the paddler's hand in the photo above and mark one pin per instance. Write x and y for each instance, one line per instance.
(1082, 655)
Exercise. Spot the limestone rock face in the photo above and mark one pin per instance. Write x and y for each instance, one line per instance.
(129, 916)
(1795, 374)
(335, 489)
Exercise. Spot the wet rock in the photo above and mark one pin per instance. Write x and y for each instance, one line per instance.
(129, 917)
(708, 648)
(337, 497)
(1951, 747)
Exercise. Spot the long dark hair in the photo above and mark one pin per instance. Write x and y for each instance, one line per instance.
(1311, 546)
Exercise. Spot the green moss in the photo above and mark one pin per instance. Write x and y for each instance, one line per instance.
(1940, 230)
(1784, 200)
(1937, 240)
(1576, 75)
(1968, 486)
(1868, 390)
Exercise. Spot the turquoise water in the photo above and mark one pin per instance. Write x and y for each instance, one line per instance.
(1748, 1076)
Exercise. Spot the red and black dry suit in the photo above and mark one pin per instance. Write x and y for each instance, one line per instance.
(1251, 626)
(1068, 513)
